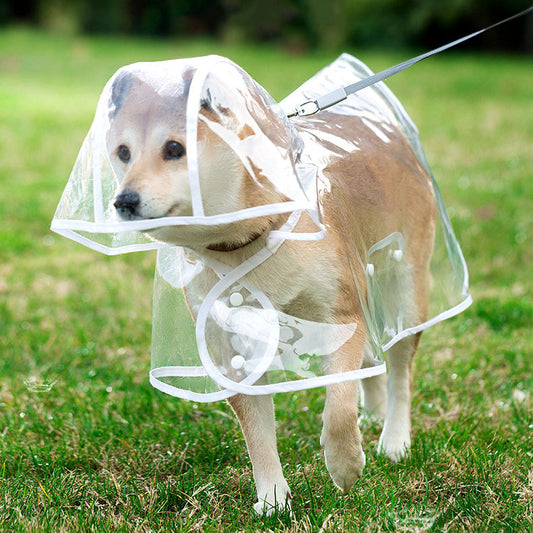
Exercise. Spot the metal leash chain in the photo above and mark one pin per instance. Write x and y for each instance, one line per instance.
(323, 102)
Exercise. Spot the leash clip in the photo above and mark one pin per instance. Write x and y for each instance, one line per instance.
(306, 109)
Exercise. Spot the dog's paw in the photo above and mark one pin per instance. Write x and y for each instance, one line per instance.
(277, 499)
(345, 464)
(394, 446)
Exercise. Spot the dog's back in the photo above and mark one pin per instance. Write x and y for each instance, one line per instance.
(372, 186)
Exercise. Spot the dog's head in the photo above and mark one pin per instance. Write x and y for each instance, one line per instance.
(147, 146)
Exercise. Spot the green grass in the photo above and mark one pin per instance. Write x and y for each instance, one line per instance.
(86, 444)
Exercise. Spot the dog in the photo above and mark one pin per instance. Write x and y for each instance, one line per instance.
(312, 280)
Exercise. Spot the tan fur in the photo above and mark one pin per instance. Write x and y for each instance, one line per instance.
(311, 279)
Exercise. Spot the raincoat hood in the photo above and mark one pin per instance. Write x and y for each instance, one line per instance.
(210, 94)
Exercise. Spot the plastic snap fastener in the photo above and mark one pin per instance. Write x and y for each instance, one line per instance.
(236, 299)
(370, 269)
(286, 333)
(397, 255)
(237, 362)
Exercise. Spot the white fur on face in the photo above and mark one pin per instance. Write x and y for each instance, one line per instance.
(221, 174)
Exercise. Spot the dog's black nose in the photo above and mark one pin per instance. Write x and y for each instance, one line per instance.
(126, 203)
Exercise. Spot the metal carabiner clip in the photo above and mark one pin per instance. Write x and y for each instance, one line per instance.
(306, 109)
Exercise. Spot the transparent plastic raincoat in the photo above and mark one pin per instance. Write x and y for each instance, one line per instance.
(215, 333)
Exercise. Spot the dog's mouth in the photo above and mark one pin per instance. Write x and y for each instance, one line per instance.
(127, 216)
(174, 210)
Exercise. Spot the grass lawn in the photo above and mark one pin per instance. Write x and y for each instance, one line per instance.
(86, 444)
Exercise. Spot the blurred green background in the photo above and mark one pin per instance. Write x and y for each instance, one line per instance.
(297, 24)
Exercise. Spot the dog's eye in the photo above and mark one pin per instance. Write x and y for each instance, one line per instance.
(124, 153)
(173, 150)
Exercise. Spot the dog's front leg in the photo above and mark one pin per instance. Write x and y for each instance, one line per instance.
(341, 438)
(256, 416)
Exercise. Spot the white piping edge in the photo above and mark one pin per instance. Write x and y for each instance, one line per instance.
(193, 111)
(455, 310)
(69, 228)
(154, 223)
(256, 390)
(108, 250)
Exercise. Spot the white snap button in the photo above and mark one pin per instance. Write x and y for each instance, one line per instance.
(397, 255)
(286, 333)
(370, 269)
(237, 362)
(236, 299)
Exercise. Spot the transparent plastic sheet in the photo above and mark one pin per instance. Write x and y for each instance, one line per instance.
(214, 333)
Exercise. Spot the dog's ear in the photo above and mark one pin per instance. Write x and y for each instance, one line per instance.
(188, 73)
(120, 88)
(207, 102)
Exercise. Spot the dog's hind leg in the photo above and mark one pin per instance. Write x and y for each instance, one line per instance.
(256, 416)
(341, 438)
(395, 439)
(374, 400)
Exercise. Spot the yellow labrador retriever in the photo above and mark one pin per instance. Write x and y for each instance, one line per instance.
(311, 280)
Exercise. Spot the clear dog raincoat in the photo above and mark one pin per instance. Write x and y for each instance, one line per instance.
(215, 332)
